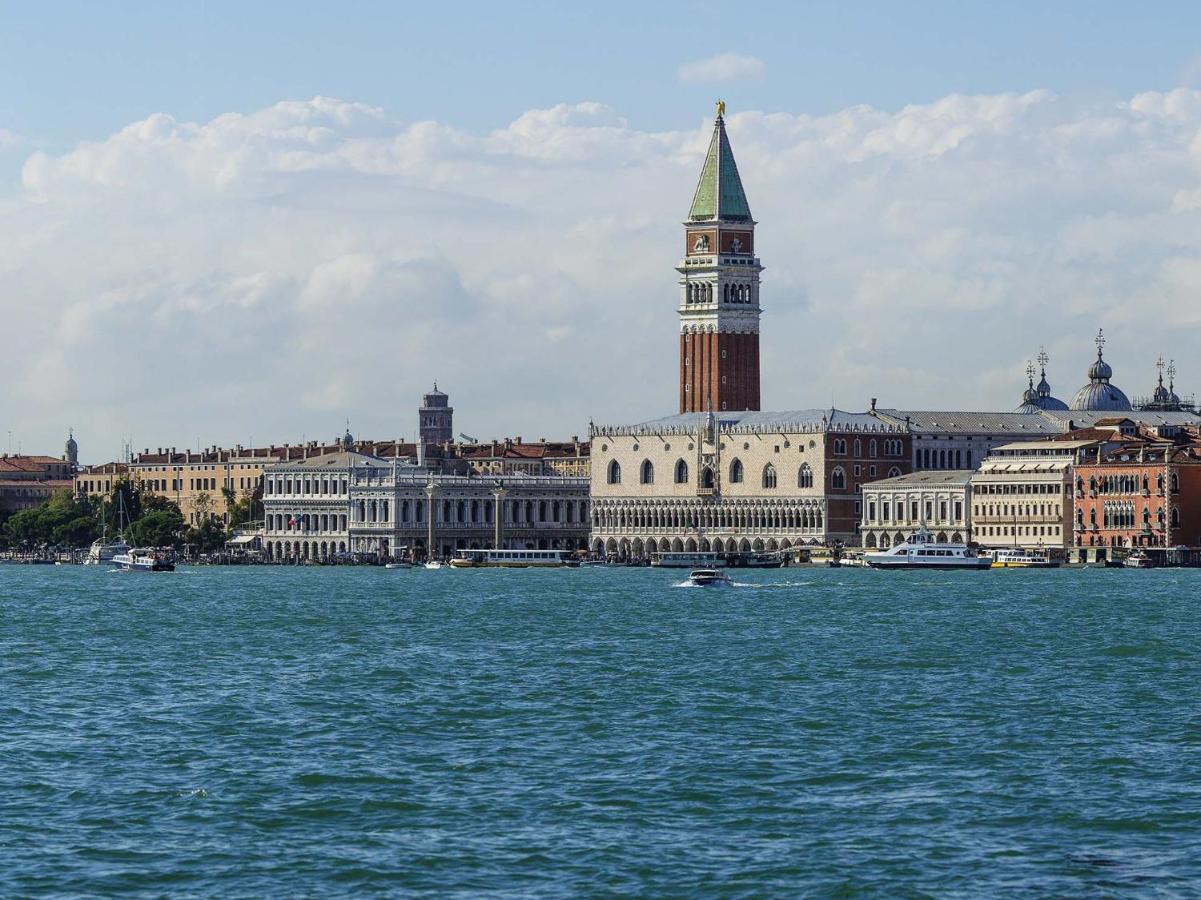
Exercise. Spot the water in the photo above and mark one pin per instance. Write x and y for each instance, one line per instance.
(250, 732)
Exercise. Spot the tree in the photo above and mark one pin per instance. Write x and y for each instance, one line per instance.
(161, 528)
(208, 536)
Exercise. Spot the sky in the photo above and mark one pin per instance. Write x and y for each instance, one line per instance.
(253, 223)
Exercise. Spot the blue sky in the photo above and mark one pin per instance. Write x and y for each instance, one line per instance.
(251, 222)
(79, 70)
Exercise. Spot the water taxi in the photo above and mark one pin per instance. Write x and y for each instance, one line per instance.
(433, 564)
(1138, 560)
(709, 578)
(692, 560)
(513, 559)
(1022, 559)
(143, 561)
(922, 552)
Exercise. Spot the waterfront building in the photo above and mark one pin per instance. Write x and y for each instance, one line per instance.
(1022, 495)
(719, 289)
(29, 481)
(1137, 487)
(513, 456)
(952, 440)
(98, 480)
(740, 481)
(401, 511)
(435, 419)
(894, 508)
(354, 503)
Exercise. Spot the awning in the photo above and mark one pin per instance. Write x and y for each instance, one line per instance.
(242, 540)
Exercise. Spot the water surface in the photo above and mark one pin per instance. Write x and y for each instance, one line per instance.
(254, 731)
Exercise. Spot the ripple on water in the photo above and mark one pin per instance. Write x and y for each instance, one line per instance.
(269, 731)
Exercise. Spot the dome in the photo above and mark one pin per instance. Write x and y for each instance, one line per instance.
(1099, 394)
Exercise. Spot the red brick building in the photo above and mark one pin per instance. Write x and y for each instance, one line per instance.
(1138, 487)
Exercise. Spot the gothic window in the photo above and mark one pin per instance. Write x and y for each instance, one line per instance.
(871, 448)
(648, 472)
(706, 478)
(840, 446)
(681, 472)
(858, 447)
(769, 476)
(804, 476)
(736, 472)
(614, 472)
(838, 478)
(1175, 516)
(894, 472)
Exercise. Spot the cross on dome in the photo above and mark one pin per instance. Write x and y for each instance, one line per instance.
(1099, 340)
(1043, 359)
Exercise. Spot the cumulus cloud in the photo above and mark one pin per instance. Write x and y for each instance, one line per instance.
(269, 274)
(721, 68)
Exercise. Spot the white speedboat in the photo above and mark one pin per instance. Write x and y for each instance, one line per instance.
(433, 564)
(709, 578)
(1138, 560)
(922, 552)
(398, 565)
(143, 561)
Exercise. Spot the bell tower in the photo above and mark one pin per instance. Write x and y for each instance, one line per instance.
(719, 289)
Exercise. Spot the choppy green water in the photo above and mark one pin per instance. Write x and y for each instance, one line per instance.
(250, 732)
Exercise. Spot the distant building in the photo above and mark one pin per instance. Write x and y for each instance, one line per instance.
(29, 481)
(1137, 487)
(1022, 495)
(349, 502)
(436, 418)
(894, 508)
(730, 482)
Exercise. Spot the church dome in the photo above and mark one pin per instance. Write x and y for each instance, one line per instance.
(1099, 394)
(1039, 398)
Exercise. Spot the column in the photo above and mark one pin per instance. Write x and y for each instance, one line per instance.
(430, 509)
(498, 515)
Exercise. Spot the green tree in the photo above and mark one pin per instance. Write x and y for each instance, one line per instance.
(161, 528)
(208, 537)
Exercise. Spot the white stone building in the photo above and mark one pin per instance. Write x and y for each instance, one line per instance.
(737, 481)
(896, 507)
(1022, 495)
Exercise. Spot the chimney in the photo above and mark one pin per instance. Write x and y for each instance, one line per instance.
(873, 404)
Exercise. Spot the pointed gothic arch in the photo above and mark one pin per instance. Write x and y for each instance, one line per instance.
(736, 471)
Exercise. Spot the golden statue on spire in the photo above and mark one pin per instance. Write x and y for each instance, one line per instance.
(721, 109)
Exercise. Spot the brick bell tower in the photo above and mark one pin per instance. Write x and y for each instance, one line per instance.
(719, 289)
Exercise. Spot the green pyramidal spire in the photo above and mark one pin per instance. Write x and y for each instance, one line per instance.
(719, 194)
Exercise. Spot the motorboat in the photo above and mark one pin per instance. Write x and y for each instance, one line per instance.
(433, 564)
(143, 560)
(709, 578)
(921, 551)
(1022, 559)
(102, 552)
(398, 565)
(1138, 560)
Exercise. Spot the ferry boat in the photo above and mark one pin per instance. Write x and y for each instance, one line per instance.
(143, 561)
(513, 559)
(692, 560)
(921, 552)
(709, 578)
(102, 552)
(1022, 559)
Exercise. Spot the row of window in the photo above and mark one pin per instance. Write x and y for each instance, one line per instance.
(930, 458)
(887, 508)
(892, 447)
(737, 475)
(1017, 509)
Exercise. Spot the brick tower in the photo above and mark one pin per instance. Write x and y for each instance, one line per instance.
(435, 418)
(719, 289)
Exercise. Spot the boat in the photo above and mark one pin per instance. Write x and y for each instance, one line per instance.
(514, 559)
(709, 578)
(102, 552)
(922, 552)
(433, 564)
(685, 560)
(398, 565)
(1022, 559)
(143, 560)
(1138, 560)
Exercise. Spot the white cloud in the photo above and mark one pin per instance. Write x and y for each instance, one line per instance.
(269, 274)
(721, 68)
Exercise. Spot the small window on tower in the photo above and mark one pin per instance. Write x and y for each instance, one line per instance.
(723, 354)
(723, 379)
